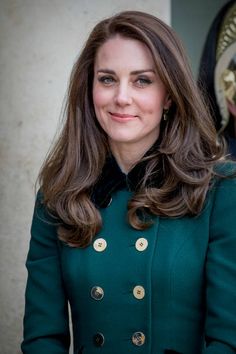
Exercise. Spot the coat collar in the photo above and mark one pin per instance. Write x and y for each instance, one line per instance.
(113, 179)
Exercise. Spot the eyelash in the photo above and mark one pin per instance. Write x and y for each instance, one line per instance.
(143, 81)
(140, 81)
(107, 80)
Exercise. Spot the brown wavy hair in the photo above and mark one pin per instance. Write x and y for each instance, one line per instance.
(188, 147)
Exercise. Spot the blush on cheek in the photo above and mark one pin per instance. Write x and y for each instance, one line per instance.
(98, 97)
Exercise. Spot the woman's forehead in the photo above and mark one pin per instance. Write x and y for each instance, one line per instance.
(123, 51)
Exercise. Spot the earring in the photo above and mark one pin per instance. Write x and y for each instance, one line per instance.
(165, 114)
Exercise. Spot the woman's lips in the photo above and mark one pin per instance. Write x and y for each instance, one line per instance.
(122, 117)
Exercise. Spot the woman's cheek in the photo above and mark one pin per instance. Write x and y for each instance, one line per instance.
(100, 97)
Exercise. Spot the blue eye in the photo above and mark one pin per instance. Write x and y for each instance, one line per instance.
(107, 80)
(143, 81)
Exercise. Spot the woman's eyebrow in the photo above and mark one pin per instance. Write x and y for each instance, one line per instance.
(107, 71)
(135, 72)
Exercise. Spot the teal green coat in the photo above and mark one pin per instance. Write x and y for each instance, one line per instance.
(187, 272)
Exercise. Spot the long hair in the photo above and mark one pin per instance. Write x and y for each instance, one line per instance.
(187, 152)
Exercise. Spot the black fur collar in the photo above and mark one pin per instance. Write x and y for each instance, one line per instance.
(113, 179)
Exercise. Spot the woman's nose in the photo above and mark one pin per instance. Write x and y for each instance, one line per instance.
(123, 95)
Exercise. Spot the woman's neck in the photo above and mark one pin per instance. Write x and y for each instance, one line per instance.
(127, 156)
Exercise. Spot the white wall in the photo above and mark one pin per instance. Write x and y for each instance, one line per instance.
(39, 41)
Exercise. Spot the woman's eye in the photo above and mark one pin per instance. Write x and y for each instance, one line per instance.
(106, 80)
(143, 81)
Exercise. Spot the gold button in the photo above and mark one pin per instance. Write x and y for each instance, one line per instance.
(139, 292)
(97, 293)
(100, 245)
(138, 338)
(141, 244)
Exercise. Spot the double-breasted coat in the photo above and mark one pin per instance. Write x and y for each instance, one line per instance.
(168, 289)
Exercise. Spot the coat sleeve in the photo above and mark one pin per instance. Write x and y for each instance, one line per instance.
(221, 272)
(46, 324)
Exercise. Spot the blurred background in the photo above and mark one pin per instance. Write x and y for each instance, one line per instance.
(39, 42)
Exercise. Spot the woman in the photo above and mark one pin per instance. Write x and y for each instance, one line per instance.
(217, 72)
(132, 226)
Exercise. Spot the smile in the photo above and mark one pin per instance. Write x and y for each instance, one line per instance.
(122, 117)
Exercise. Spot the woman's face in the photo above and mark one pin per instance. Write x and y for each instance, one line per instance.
(128, 95)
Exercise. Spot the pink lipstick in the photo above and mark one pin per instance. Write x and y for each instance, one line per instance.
(122, 117)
